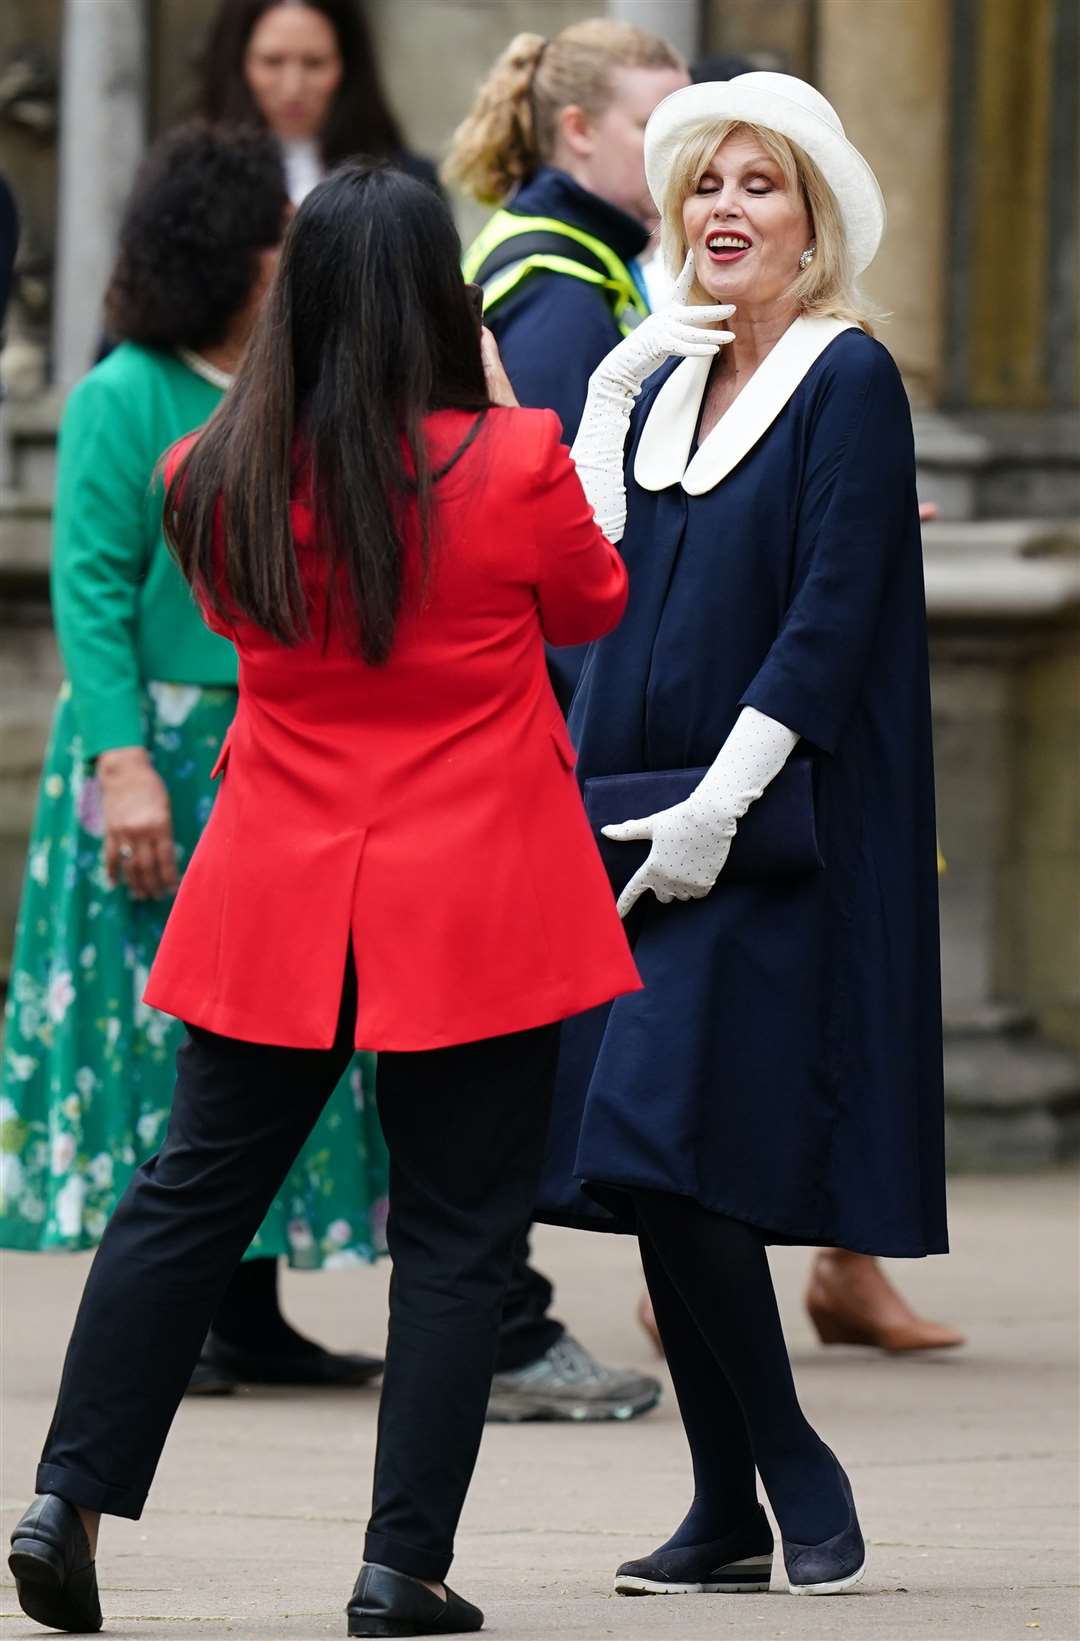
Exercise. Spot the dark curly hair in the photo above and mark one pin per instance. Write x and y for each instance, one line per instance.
(206, 201)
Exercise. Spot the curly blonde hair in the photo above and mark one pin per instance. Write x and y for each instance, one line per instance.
(512, 127)
(827, 288)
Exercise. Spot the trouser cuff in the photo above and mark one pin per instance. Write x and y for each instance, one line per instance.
(89, 1493)
(406, 1558)
(514, 1353)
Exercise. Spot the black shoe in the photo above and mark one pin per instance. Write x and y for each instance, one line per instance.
(738, 1564)
(834, 1566)
(314, 1367)
(385, 1602)
(208, 1380)
(53, 1569)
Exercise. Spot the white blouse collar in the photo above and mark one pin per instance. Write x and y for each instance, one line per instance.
(663, 452)
(202, 367)
(303, 167)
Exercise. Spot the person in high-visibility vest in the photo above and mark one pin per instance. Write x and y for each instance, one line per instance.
(555, 138)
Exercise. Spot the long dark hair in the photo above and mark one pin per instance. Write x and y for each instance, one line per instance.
(366, 328)
(360, 120)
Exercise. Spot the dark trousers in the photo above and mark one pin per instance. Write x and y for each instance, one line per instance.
(527, 1331)
(465, 1127)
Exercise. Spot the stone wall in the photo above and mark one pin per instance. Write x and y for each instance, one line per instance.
(29, 74)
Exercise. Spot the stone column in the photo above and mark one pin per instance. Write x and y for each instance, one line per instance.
(677, 20)
(102, 135)
(886, 70)
(1004, 606)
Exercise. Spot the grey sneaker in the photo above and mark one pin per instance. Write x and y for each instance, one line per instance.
(569, 1384)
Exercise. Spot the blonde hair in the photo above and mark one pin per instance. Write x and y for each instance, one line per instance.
(512, 126)
(827, 288)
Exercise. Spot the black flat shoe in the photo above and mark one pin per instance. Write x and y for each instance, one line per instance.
(53, 1569)
(385, 1602)
(208, 1380)
(834, 1566)
(738, 1564)
(317, 1367)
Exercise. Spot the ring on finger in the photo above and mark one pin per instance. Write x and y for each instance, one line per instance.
(126, 852)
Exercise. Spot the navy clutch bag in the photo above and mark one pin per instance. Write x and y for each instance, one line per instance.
(777, 836)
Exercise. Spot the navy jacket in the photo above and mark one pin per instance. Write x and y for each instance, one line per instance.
(554, 330)
(784, 1063)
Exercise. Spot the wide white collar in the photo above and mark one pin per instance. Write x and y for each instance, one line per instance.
(663, 452)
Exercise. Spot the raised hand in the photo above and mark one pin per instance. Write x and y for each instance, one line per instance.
(680, 328)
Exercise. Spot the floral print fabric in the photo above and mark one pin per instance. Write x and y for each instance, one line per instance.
(87, 1070)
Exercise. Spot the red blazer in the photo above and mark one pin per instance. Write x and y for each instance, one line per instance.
(425, 810)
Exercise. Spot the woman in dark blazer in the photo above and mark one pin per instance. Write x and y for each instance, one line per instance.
(398, 857)
(755, 739)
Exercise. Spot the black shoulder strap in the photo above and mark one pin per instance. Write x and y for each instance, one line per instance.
(541, 242)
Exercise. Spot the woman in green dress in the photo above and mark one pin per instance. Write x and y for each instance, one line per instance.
(87, 1072)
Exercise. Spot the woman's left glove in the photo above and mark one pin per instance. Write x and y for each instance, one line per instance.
(691, 840)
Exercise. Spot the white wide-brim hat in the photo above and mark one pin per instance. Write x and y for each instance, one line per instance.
(777, 102)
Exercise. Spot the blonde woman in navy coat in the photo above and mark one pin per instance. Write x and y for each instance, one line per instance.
(756, 734)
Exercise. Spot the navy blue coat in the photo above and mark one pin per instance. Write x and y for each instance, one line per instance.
(784, 1063)
(553, 330)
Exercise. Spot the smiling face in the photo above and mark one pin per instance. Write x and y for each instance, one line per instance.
(747, 225)
(293, 67)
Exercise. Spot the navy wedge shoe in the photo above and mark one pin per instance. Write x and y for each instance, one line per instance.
(834, 1566)
(738, 1564)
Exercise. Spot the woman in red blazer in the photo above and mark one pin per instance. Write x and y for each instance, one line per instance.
(398, 859)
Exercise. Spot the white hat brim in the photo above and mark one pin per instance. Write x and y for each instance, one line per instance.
(854, 184)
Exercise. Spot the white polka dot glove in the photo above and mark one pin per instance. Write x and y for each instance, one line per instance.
(598, 451)
(690, 841)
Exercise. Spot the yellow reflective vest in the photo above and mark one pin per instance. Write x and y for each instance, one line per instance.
(511, 247)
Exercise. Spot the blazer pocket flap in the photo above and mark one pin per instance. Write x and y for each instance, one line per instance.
(223, 756)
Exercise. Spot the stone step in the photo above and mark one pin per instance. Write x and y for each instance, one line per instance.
(1034, 466)
(30, 428)
(25, 542)
(949, 462)
(996, 464)
(1012, 1098)
(1003, 570)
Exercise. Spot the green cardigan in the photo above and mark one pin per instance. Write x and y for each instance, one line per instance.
(124, 613)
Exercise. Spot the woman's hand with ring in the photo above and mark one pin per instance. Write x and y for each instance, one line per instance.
(138, 823)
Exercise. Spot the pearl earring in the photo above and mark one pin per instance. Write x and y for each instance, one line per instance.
(807, 257)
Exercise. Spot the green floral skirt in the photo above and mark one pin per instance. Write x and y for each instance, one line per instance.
(88, 1070)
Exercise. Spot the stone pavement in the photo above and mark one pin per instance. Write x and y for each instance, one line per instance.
(964, 1465)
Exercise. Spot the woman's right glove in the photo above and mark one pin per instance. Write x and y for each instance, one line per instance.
(599, 449)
